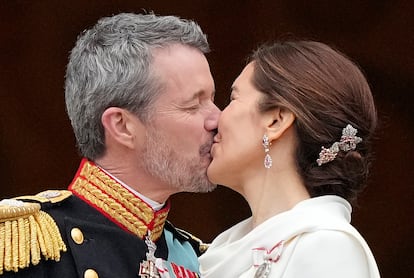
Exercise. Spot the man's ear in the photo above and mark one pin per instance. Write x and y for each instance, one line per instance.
(278, 121)
(119, 126)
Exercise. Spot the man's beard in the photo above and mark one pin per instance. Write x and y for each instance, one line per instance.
(182, 173)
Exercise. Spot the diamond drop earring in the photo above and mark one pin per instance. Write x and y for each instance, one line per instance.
(267, 160)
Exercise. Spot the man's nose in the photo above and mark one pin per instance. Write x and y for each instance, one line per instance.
(211, 121)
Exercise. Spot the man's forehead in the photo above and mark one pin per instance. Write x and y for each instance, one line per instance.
(184, 73)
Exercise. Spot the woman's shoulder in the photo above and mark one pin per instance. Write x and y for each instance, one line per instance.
(330, 241)
(329, 253)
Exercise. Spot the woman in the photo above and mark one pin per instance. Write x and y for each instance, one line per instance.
(295, 142)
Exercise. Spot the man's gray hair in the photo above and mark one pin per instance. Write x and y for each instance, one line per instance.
(110, 66)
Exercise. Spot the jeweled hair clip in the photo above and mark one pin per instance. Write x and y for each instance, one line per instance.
(348, 142)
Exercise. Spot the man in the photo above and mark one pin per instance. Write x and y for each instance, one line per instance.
(139, 94)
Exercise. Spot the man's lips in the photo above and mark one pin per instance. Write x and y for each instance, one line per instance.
(205, 149)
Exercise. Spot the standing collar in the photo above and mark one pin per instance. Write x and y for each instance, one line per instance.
(116, 202)
(155, 205)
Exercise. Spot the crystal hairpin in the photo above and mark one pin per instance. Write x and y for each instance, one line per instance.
(348, 142)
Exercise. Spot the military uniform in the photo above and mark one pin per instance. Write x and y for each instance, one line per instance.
(96, 228)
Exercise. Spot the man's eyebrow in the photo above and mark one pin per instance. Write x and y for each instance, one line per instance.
(193, 97)
(196, 96)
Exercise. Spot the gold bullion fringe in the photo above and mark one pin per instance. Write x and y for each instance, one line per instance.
(24, 240)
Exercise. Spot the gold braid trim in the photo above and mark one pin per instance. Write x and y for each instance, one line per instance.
(118, 192)
(118, 203)
(111, 208)
(25, 233)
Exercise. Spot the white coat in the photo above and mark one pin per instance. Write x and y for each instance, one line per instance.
(314, 240)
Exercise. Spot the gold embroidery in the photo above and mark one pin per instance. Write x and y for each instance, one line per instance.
(114, 210)
(117, 202)
(25, 233)
(113, 188)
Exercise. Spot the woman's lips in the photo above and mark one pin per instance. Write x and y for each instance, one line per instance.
(216, 139)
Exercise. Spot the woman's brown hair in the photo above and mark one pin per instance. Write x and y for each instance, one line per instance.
(326, 91)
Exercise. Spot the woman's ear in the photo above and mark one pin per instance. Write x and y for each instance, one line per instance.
(119, 126)
(279, 120)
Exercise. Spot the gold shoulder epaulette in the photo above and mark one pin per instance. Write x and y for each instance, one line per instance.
(52, 196)
(26, 233)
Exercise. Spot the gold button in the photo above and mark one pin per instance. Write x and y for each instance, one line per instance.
(77, 236)
(90, 273)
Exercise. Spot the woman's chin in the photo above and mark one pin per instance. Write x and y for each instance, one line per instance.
(212, 173)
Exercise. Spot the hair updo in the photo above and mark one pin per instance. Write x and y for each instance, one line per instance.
(326, 91)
